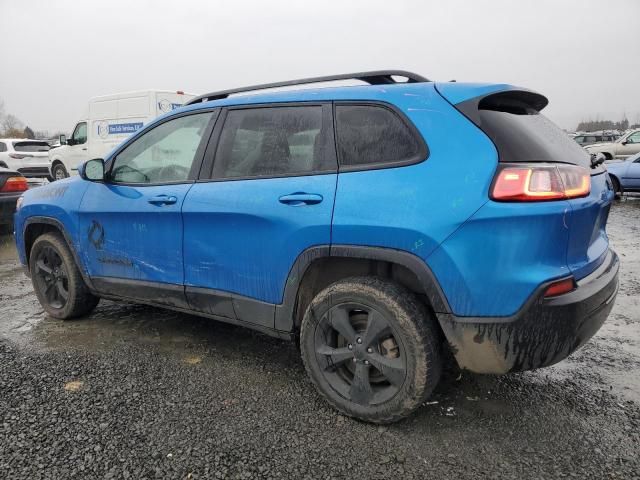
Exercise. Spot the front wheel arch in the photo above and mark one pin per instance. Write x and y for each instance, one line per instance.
(37, 226)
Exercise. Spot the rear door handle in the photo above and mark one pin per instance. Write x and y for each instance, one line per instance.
(161, 200)
(301, 198)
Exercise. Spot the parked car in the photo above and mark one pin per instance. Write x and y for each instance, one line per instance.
(591, 138)
(12, 185)
(28, 157)
(627, 145)
(107, 121)
(625, 175)
(372, 224)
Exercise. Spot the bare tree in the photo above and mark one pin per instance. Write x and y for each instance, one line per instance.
(11, 122)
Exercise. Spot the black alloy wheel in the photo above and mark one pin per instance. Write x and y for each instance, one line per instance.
(362, 359)
(52, 277)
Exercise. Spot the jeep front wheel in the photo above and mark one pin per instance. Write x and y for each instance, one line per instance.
(371, 348)
(56, 279)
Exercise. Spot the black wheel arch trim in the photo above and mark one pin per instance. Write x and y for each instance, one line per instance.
(60, 227)
(284, 314)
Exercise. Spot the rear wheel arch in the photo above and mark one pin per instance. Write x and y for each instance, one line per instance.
(319, 267)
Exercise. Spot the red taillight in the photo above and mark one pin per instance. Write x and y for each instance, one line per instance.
(14, 184)
(561, 286)
(531, 182)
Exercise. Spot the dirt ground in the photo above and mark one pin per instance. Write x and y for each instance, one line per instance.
(137, 392)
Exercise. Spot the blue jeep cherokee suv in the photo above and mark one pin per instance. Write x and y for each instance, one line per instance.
(375, 224)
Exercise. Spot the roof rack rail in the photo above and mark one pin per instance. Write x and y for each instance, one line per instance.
(377, 77)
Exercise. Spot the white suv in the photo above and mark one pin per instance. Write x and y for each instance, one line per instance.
(29, 157)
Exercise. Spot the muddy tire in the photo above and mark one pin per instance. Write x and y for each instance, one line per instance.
(56, 279)
(371, 348)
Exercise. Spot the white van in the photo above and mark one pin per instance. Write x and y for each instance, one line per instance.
(107, 121)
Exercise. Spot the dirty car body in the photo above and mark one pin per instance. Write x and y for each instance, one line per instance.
(464, 196)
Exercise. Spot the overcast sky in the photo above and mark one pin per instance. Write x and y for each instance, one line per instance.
(583, 55)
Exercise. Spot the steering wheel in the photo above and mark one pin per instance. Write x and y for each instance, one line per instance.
(127, 169)
(174, 172)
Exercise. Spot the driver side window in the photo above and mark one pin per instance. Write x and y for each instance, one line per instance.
(163, 154)
(80, 134)
(634, 138)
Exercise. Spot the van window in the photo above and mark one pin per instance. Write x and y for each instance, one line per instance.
(80, 134)
(272, 141)
(373, 134)
(163, 154)
(31, 146)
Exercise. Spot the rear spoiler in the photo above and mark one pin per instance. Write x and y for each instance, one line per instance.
(470, 98)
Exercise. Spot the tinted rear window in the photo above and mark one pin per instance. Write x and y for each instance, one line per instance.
(274, 141)
(374, 135)
(31, 146)
(531, 138)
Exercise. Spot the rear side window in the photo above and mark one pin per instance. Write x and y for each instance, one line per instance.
(31, 146)
(273, 141)
(373, 135)
(3, 147)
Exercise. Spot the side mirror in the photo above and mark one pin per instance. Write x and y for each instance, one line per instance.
(624, 142)
(63, 139)
(92, 170)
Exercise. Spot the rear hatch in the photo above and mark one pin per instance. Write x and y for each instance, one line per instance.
(33, 156)
(512, 120)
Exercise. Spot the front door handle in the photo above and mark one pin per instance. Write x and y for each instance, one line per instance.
(161, 200)
(300, 198)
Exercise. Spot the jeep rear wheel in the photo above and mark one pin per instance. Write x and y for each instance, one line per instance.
(57, 280)
(371, 349)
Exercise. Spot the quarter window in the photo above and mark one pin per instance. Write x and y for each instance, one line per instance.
(164, 154)
(3, 147)
(372, 134)
(272, 141)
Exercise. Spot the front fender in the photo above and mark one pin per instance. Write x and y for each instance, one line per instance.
(58, 202)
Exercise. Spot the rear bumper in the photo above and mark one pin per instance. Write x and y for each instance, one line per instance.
(545, 331)
(35, 171)
(8, 208)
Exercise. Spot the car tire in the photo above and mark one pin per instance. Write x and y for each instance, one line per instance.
(59, 172)
(617, 189)
(56, 279)
(371, 348)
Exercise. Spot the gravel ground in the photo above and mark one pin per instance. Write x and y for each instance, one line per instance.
(138, 392)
